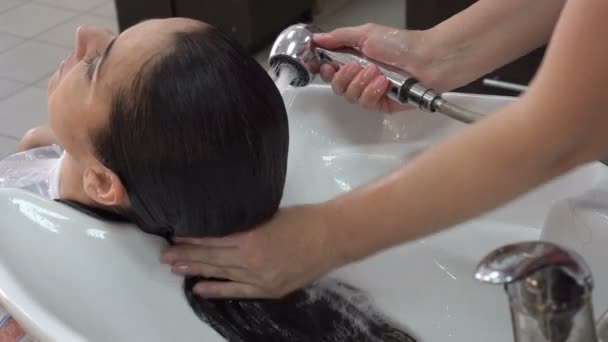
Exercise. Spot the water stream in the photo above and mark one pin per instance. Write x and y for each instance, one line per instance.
(283, 81)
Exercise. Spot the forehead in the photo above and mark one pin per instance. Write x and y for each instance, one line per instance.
(139, 44)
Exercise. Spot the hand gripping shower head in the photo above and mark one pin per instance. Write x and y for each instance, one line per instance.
(295, 49)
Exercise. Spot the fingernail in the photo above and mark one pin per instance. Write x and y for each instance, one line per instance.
(180, 269)
(378, 82)
(352, 70)
(346, 68)
(338, 92)
(368, 73)
(201, 290)
(167, 258)
(321, 35)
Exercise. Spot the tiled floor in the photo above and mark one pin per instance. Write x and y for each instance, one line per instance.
(35, 35)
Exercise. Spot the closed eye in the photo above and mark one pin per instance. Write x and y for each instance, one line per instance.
(90, 62)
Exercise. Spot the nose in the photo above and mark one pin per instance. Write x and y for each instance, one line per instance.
(89, 39)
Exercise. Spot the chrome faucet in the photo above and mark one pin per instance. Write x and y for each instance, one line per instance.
(602, 328)
(549, 290)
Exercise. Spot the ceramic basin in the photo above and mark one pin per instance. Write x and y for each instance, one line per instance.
(68, 277)
(581, 224)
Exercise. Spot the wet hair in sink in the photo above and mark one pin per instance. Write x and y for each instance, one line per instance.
(200, 142)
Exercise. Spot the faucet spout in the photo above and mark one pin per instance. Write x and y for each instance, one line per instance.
(602, 328)
(549, 290)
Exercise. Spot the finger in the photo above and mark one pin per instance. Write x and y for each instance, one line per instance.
(346, 36)
(360, 82)
(228, 241)
(394, 107)
(214, 289)
(387, 106)
(372, 95)
(209, 271)
(327, 72)
(218, 256)
(344, 77)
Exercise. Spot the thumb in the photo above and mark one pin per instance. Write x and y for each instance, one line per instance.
(343, 37)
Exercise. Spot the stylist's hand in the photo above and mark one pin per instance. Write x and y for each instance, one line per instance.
(289, 252)
(367, 87)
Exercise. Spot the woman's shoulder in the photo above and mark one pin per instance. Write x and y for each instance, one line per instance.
(34, 170)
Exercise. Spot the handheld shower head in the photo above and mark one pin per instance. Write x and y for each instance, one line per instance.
(295, 49)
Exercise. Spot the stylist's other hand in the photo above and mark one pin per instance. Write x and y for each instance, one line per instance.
(367, 86)
(287, 253)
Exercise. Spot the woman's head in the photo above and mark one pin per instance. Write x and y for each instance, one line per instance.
(173, 123)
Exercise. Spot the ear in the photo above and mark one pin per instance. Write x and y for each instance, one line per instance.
(104, 187)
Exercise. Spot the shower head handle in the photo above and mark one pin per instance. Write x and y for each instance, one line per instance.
(400, 82)
(295, 48)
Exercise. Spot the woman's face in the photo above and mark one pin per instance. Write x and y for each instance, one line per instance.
(80, 92)
(80, 100)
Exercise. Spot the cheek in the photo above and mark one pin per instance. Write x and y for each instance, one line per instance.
(75, 108)
(57, 114)
(65, 106)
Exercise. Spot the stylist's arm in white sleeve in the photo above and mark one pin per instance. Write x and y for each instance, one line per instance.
(560, 123)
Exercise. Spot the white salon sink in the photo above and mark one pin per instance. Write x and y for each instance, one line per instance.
(581, 224)
(67, 277)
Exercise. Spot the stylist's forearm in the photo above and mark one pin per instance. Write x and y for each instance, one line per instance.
(488, 35)
(472, 172)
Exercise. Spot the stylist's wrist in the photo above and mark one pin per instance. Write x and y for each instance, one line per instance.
(447, 64)
(330, 237)
(343, 241)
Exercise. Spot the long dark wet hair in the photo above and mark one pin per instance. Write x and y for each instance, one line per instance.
(200, 142)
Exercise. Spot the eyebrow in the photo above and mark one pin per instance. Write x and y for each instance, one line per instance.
(105, 55)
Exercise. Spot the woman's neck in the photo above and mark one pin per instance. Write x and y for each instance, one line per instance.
(70, 182)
